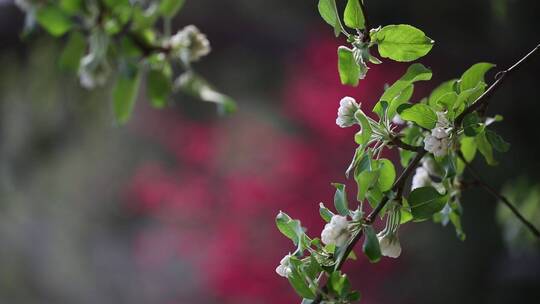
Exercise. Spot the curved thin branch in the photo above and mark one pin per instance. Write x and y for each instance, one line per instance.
(483, 100)
(499, 196)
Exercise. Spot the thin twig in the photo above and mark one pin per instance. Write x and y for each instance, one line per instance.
(399, 143)
(483, 100)
(496, 194)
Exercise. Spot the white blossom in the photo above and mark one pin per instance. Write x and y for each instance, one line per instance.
(336, 232)
(190, 43)
(421, 178)
(440, 132)
(397, 120)
(429, 164)
(389, 244)
(284, 267)
(437, 146)
(345, 115)
(93, 73)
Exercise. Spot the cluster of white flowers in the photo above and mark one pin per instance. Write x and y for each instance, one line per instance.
(438, 141)
(190, 44)
(336, 232)
(284, 267)
(345, 115)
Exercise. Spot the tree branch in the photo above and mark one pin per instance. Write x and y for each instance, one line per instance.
(398, 186)
(499, 196)
(483, 100)
(399, 143)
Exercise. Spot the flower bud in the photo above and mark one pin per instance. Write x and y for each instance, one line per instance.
(190, 44)
(284, 267)
(345, 116)
(389, 244)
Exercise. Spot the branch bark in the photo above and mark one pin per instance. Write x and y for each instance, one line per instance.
(480, 182)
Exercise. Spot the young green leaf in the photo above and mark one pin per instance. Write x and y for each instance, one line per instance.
(472, 124)
(425, 202)
(387, 175)
(340, 199)
(169, 8)
(443, 89)
(363, 136)
(421, 114)
(297, 281)
(125, 93)
(474, 75)
(468, 148)
(365, 180)
(497, 142)
(349, 70)
(415, 72)
(485, 148)
(328, 11)
(159, 86)
(289, 227)
(325, 213)
(371, 246)
(353, 15)
(401, 42)
(73, 52)
(54, 20)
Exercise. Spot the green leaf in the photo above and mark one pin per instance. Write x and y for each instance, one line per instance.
(54, 20)
(71, 6)
(353, 15)
(425, 202)
(371, 245)
(297, 281)
(159, 86)
(485, 148)
(443, 89)
(405, 211)
(363, 136)
(325, 213)
(421, 114)
(497, 142)
(289, 227)
(194, 85)
(125, 93)
(415, 72)
(328, 11)
(340, 199)
(472, 124)
(73, 52)
(349, 70)
(474, 75)
(468, 148)
(169, 8)
(387, 175)
(402, 42)
(365, 180)
(339, 283)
